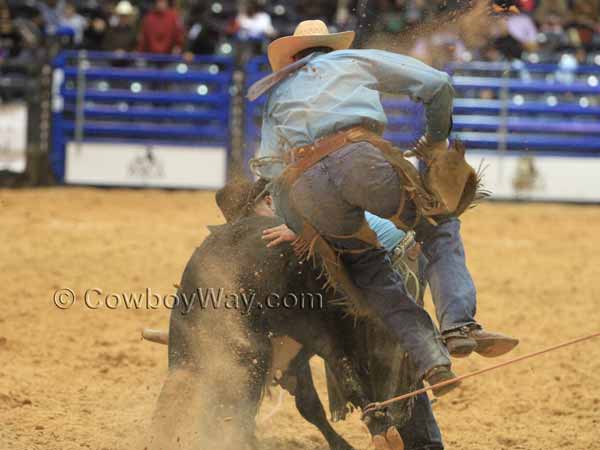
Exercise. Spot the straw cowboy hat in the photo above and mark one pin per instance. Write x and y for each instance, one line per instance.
(310, 33)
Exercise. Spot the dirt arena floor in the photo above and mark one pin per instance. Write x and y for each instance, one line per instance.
(81, 378)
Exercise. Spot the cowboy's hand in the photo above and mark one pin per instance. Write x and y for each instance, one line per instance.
(278, 235)
(426, 143)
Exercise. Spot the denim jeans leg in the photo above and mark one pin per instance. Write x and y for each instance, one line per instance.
(373, 273)
(452, 287)
(422, 431)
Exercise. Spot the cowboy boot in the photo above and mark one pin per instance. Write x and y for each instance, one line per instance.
(438, 375)
(463, 341)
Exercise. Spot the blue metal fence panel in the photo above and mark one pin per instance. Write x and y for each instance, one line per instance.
(159, 98)
(139, 98)
(517, 66)
(539, 115)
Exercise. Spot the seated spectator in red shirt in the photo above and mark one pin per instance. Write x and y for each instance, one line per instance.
(162, 30)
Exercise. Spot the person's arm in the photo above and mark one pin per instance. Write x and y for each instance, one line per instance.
(387, 234)
(399, 74)
(270, 147)
(278, 235)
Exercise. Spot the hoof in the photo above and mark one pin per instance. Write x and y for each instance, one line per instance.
(390, 441)
(380, 442)
(378, 422)
(394, 439)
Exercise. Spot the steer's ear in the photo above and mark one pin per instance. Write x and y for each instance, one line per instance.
(269, 200)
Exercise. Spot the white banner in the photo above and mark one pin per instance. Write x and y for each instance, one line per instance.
(526, 176)
(172, 166)
(13, 136)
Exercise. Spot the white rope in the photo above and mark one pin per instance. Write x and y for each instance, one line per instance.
(275, 409)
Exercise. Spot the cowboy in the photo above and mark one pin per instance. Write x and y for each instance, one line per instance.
(322, 145)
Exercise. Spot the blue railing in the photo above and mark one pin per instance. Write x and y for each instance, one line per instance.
(139, 98)
(536, 114)
(154, 99)
(517, 67)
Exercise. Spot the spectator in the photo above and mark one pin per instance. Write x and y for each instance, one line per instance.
(506, 45)
(344, 19)
(256, 22)
(52, 11)
(515, 34)
(419, 11)
(162, 30)
(208, 25)
(393, 15)
(440, 48)
(522, 28)
(551, 17)
(549, 11)
(324, 10)
(121, 35)
(584, 22)
(71, 20)
(528, 6)
(98, 16)
(8, 36)
(20, 36)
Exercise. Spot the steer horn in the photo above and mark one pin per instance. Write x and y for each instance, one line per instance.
(158, 336)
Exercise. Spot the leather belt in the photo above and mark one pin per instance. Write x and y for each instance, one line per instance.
(302, 158)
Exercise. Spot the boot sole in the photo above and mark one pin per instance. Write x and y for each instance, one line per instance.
(492, 348)
(443, 390)
(461, 347)
(440, 392)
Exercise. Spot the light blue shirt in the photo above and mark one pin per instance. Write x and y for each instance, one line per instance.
(340, 89)
(388, 235)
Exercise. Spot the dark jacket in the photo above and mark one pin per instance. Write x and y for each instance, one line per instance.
(120, 37)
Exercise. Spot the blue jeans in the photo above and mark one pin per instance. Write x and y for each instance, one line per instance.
(452, 288)
(333, 195)
(421, 432)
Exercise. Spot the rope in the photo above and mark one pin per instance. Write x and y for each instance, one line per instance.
(274, 411)
(380, 405)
